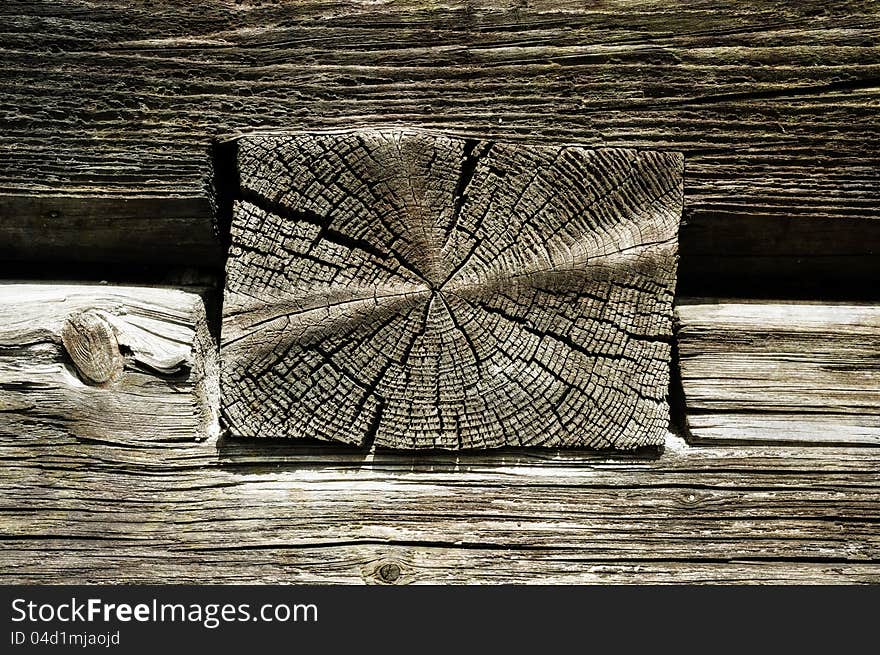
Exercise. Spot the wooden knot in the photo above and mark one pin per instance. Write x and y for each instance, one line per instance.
(387, 572)
(693, 499)
(92, 346)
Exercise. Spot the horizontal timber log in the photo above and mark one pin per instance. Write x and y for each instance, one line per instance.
(103, 363)
(772, 371)
(774, 106)
(121, 230)
(750, 371)
(236, 511)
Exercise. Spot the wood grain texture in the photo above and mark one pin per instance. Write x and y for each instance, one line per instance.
(241, 511)
(774, 105)
(764, 371)
(413, 290)
(80, 509)
(99, 363)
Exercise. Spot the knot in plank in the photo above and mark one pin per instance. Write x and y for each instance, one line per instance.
(91, 343)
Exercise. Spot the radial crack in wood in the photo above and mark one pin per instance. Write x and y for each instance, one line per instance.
(121, 365)
(414, 290)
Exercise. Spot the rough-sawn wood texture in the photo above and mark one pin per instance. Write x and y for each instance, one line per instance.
(414, 290)
(108, 109)
(109, 364)
(238, 512)
(84, 507)
(780, 371)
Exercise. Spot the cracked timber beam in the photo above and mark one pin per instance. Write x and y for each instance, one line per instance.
(121, 365)
(412, 290)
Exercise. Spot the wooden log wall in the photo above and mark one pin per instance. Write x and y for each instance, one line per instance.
(110, 112)
(802, 371)
(117, 150)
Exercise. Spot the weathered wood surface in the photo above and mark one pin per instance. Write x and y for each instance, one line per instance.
(108, 111)
(81, 508)
(101, 363)
(771, 371)
(244, 511)
(774, 105)
(413, 290)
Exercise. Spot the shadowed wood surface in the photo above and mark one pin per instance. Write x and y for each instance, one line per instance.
(774, 105)
(102, 363)
(756, 371)
(418, 291)
(245, 511)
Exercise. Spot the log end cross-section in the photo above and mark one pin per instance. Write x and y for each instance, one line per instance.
(408, 290)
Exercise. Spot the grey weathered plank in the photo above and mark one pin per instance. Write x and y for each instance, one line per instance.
(239, 511)
(773, 104)
(60, 562)
(118, 364)
(773, 371)
(415, 290)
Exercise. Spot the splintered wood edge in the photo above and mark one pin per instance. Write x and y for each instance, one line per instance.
(803, 372)
(206, 372)
(87, 351)
(452, 246)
